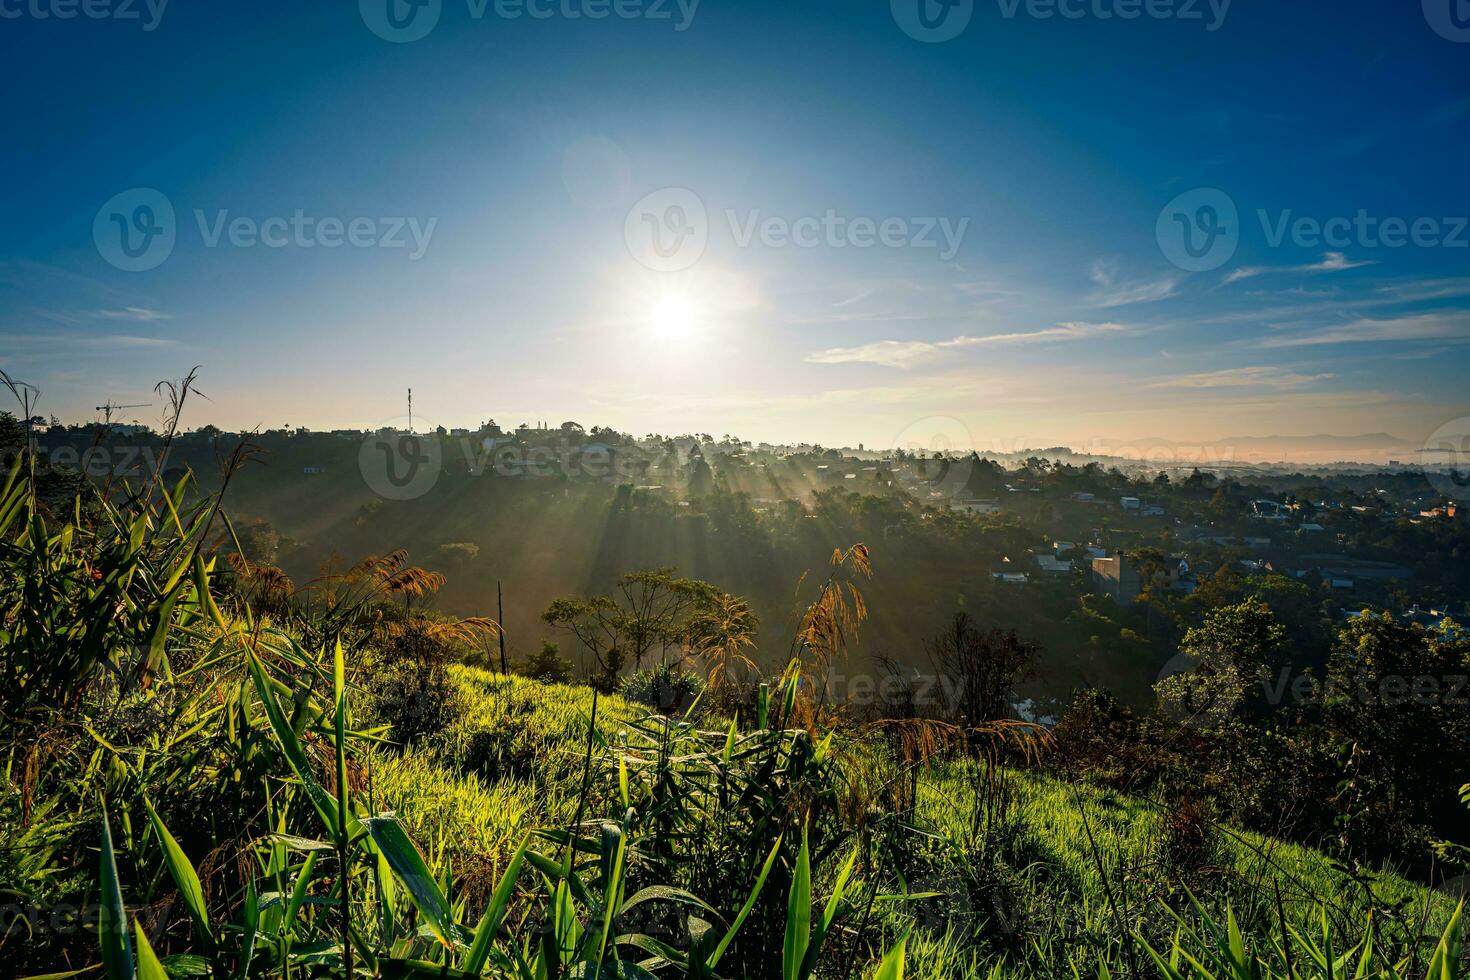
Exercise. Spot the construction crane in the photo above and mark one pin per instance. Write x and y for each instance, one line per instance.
(109, 408)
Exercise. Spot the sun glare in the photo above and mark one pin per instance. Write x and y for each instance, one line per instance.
(673, 318)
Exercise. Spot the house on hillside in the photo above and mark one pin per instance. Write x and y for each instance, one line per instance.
(1346, 567)
(1115, 576)
(1268, 510)
(1052, 565)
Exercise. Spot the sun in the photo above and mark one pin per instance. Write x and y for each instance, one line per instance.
(673, 317)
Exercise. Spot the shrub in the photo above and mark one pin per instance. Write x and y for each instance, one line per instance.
(548, 665)
(668, 688)
(418, 701)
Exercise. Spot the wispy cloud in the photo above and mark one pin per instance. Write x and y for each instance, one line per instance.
(1331, 262)
(138, 313)
(1243, 377)
(889, 353)
(1062, 331)
(1110, 292)
(74, 342)
(1425, 326)
(911, 353)
(1424, 290)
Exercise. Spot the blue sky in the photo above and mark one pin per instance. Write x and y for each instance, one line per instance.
(520, 151)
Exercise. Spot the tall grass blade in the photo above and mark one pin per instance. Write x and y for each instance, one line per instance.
(149, 968)
(892, 966)
(291, 746)
(494, 915)
(409, 867)
(755, 891)
(186, 879)
(798, 915)
(112, 922)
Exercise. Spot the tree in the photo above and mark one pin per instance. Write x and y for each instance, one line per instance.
(12, 436)
(650, 612)
(980, 668)
(548, 665)
(260, 542)
(701, 480)
(1226, 664)
(1394, 705)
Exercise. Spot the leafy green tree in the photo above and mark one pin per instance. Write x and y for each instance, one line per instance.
(1230, 659)
(12, 436)
(652, 611)
(548, 665)
(260, 542)
(1394, 703)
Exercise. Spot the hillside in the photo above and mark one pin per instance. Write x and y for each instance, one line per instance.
(201, 779)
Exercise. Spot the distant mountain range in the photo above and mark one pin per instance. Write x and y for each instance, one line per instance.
(1376, 448)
